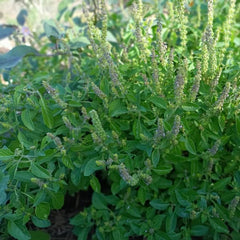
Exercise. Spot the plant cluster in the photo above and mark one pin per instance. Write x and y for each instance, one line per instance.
(146, 113)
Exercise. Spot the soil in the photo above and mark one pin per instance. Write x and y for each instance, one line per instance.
(60, 228)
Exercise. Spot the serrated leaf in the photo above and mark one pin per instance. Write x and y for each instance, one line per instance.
(18, 231)
(155, 157)
(221, 184)
(142, 195)
(46, 113)
(76, 176)
(117, 235)
(158, 101)
(171, 222)
(110, 37)
(11, 58)
(218, 225)
(66, 160)
(24, 140)
(117, 108)
(57, 200)
(21, 17)
(6, 154)
(40, 222)
(237, 119)
(23, 176)
(91, 167)
(39, 171)
(3, 196)
(199, 230)
(190, 107)
(190, 146)
(83, 233)
(182, 199)
(158, 220)
(27, 120)
(162, 236)
(98, 201)
(51, 31)
(95, 184)
(163, 170)
(158, 204)
(79, 43)
(137, 127)
(42, 210)
(221, 122)
(40, 197)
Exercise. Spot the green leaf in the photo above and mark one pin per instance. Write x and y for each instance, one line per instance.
(171, 222)
(6, 154)
(182, 199)
(237, 119)
(158, 220)
(137, 127)
(6, 31)
(110, 37)
(221, 184)
(142, 195)
(47, 115)
(91, 167)
(221, 122)
(162, 183)
(95, 184)
(190, 107)
(18, 231)
(162, 236)
(57, 200)
(83, 233)
(24, 140)
(158, 101)
(42, 210)
(199, 230)
(81, 42)
(79, 219)
(190, 146)
(21, 17)
(98, 201)
(23, 176)
(27, 119)
(40, 197)
(11, 58)
(66, 160)
(158, 204)
(163, 170)
(4, 179)
(51, 31)
(117, 108)
(39, 235)
(218, 225)
(237, 41)
(155, 157)
(3, 196)
(39, 171)
(76, 176)
(117, 235)
(40, 222)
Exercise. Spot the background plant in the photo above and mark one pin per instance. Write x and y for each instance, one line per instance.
(149, 121)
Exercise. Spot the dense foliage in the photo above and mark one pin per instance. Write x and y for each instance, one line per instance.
(144, 111)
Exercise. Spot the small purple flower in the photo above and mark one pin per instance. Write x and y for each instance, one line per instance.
(25, 31)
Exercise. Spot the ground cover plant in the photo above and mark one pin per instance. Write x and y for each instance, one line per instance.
(142, 111)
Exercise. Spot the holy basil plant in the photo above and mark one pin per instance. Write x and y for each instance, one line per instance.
(148, 124)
